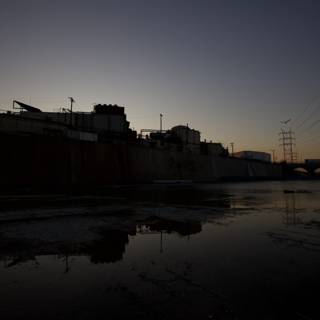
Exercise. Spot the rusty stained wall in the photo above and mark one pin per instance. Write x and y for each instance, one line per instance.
(160, 164)
(26, 161)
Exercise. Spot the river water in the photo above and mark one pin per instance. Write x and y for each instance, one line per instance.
(219, 251)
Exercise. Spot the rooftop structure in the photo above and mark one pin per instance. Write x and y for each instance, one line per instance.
(253, 155)
(103, 123)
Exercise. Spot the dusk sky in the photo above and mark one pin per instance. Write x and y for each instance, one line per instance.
(231, 69)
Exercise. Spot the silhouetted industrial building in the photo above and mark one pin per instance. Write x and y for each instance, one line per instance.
(253, 155)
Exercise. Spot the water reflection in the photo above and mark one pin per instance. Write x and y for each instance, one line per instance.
(154, 224)
(247, 251)
(108, 247)
(290, 216)
(301, 227)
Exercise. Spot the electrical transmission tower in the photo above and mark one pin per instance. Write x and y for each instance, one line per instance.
(287, 139)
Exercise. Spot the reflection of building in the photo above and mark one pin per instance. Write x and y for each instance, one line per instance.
(110, 248)
(164, 225)
(160, 226)
(107, 248)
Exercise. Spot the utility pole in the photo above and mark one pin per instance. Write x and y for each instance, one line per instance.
(287, 140)
(187, 134)
(232, 150)
(273, 155)
(161, 115)
(71, 106)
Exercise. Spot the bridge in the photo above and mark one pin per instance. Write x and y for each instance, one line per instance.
(311, 168)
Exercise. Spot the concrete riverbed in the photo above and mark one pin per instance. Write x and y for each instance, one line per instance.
(198, 251)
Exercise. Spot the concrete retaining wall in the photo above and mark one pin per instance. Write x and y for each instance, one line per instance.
(26, 161)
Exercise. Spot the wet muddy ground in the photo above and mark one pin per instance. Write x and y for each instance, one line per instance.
(219, 251)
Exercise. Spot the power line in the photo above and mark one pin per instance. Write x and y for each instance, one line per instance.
(305, 109)
(310, 127)
(313, 138)
(307, 119)
(307, 134)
